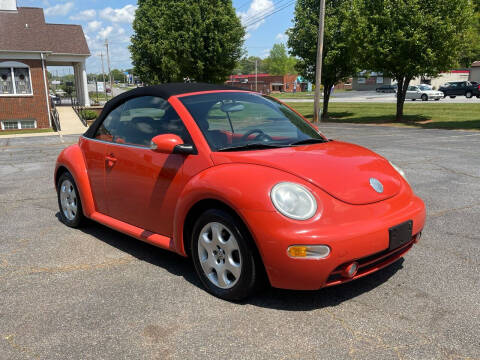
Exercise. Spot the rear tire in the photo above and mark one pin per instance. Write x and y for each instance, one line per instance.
(69, 203)
(468, 94)
(223, 257)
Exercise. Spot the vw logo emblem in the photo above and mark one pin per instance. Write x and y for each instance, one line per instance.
(376, 185)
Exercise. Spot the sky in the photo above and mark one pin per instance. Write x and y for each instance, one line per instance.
(112, 20)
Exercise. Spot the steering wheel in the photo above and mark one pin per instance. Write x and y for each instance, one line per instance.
(261, 135)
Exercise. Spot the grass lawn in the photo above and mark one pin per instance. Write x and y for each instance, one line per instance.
(428, 115)
(26, 131)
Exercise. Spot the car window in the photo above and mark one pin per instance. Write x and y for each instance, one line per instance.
(412, 88)
(234, 120)
(139, 120)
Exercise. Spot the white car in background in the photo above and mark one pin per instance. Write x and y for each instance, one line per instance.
(423, 92)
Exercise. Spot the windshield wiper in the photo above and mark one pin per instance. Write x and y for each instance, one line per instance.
(254, 146)
(308, 141)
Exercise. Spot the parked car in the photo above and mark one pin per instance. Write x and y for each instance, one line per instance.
(423, 92)
(387, 89)
(226, 177)
(460, 88)
(56, 100)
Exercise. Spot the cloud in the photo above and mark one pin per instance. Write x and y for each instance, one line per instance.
(281, 37)
(265, 53)
(122, 15)
(257, 9)
(59, 9)
(84, 15)
(93, 26)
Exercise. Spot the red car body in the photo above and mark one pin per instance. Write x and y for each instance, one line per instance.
(153, 196)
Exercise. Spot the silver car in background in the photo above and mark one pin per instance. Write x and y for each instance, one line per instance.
(423, 92)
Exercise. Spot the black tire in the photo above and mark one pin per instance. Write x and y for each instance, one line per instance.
(452, 96)
(424, 97)
(70, 218)
(468, 94)
(250, 274)
(437, 99)
(414, 99)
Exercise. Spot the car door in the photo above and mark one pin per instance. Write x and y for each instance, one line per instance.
(411, 92)
(142, 185)
(94, 150)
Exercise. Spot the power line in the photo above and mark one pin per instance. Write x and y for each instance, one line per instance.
(269, 14)
(263, 12)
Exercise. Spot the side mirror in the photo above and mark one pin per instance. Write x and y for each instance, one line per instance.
(170, 144)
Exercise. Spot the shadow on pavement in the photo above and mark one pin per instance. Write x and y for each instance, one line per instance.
(271, 298)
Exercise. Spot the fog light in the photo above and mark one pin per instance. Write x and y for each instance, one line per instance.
(308, 251)
(351, 270)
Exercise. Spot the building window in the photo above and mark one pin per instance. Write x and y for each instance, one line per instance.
(18, 124)
(15, 79)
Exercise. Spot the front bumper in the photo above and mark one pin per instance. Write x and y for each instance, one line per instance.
(353, 232)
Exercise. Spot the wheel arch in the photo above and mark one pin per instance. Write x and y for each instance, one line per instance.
(71, 160)
(211, 203)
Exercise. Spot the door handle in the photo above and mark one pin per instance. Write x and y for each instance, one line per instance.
(110, 160)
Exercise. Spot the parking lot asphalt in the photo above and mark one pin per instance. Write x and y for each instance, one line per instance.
(93, 293)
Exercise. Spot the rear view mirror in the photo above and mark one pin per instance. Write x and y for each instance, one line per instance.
(232, 107)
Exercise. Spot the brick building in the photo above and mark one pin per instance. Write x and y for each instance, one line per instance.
(27, 46)
(266, 83)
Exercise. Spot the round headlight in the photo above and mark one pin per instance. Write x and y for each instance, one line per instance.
(293, 201)
(400, 171)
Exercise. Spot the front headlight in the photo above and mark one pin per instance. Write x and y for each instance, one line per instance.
(293, 201)
(400, 171)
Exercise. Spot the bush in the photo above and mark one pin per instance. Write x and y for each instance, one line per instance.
(88, 114)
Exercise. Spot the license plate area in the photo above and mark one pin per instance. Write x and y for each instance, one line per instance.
(400, 234)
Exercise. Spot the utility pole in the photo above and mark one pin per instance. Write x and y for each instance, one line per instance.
(103, 74)
(256, 75)
(109, 70)
(318, 73)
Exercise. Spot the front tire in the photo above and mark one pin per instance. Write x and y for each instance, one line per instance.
(69, 203)
(223, 256)
(424, 97)
(469, 95)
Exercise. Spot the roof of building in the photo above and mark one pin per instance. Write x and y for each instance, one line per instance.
(26, 30)
(476, 64)
(247, 76)
(163, 90)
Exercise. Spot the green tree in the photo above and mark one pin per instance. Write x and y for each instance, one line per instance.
(246, 65)
(471, 52)
(173, 39)
(279, 62)
(118, 75)
(409, 38)
(341, 42)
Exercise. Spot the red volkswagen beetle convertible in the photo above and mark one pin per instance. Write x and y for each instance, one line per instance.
(242, 184)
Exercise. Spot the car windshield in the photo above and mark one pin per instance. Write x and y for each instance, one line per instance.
(235, 121)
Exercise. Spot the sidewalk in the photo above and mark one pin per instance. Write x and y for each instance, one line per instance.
(69, 121)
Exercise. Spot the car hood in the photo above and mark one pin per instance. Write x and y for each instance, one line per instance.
(343, 170)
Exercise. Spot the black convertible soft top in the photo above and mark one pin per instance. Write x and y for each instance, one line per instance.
(164, 91)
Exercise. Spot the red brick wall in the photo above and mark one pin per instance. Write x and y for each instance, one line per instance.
(27, 107)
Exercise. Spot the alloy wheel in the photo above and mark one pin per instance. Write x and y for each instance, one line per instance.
(219, 255)
(68, 200)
